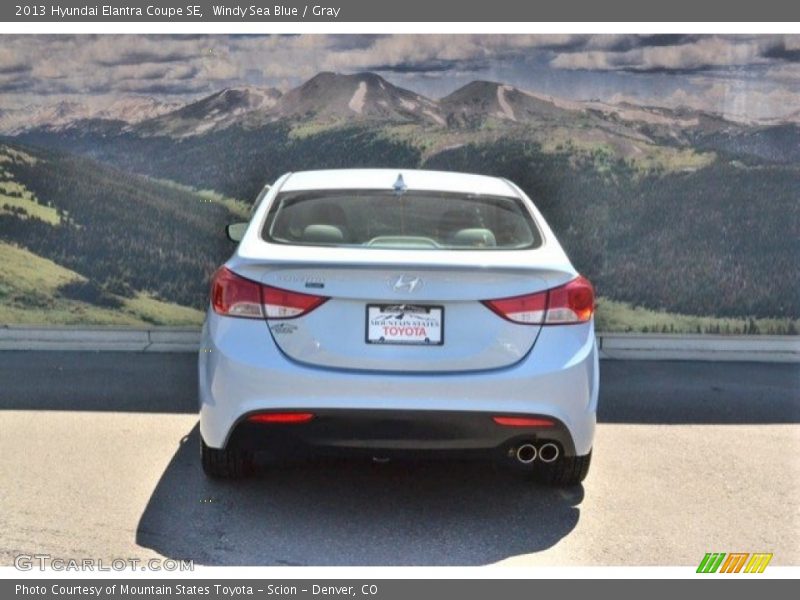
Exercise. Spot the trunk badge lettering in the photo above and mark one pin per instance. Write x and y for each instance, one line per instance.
(281, 328)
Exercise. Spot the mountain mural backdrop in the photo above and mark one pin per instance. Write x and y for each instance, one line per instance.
(686, 219)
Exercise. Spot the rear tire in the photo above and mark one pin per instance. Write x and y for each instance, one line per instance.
(225, 464)
(566, 471)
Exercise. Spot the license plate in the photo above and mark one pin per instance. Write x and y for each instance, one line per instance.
(405, 324)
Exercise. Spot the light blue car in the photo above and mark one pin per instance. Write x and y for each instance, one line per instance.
(397, 313)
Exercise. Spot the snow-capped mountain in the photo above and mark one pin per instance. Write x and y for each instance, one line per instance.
(480, 100)
(367, 97)
(219, 110)
(359, 96)
(67, 113)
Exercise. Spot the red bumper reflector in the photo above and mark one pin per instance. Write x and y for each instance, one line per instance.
(523, 422)
(294, 417)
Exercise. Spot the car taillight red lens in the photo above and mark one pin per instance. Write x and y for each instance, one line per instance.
(523, 422)
(569, 303)
(283, 304)
(528, 309)
(291, 417)
(236, 296)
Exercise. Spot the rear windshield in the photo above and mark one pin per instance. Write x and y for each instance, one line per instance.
(413, 220)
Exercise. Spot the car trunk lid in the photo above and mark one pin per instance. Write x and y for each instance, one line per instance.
(405, 316)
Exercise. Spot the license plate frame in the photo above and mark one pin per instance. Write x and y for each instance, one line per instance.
(420, 314)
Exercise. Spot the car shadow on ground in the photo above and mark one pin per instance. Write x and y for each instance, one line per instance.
(353, 512)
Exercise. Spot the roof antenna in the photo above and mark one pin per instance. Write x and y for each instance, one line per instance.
(399, 185)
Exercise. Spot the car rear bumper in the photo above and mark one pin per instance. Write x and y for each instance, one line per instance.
(241, 371)
(394, 433)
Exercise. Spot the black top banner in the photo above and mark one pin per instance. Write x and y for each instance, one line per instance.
(470, 11)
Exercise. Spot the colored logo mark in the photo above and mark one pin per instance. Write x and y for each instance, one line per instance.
(734, 562)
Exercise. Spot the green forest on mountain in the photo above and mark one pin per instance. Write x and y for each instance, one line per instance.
(719, 240)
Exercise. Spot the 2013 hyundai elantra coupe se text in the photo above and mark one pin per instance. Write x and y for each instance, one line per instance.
(398, 312)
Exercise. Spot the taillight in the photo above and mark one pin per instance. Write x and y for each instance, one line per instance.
(283, 304)
(572, 302)
(236, 296)
(523, 422)
(285, 418)
(528, 309)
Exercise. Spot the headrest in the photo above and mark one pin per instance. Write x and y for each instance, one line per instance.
(474, 236)
(323, 234)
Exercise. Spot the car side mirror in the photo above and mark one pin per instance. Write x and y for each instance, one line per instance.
(235, 231)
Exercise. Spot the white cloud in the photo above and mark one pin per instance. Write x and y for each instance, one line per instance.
(789, 73)
(791, 42)
(702, 53)
(733, 100)
(12, 62)
(421, 49)
(34, 69)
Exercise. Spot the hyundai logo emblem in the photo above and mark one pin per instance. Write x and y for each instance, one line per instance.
(406, 283)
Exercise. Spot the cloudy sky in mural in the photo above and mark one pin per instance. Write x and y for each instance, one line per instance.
(754, 76)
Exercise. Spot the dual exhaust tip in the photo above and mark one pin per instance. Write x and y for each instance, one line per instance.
(527, 453)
